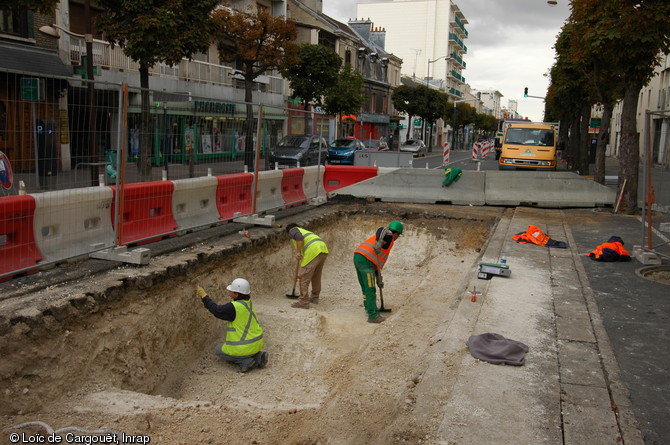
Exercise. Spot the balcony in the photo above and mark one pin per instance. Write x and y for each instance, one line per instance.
(459, 25)
(458, 59)
(454, 38)
(114, 59)
(457, 76)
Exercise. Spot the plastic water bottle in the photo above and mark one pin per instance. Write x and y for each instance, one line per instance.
(503, 258)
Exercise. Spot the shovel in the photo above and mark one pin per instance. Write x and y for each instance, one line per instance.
(295, 280)
(381, 294)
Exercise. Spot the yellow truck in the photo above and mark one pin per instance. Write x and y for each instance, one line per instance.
(529, 146)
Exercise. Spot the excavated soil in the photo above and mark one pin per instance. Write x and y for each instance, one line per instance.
(131, 349)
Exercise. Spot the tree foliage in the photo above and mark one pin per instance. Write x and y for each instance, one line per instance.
(314, 74)
(615, 47)
(345, 97)
(254, 43)
(153, 31)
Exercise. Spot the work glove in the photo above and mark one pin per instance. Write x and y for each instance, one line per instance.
(201, 292)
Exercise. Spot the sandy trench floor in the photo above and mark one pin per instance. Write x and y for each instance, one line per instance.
(145, 365)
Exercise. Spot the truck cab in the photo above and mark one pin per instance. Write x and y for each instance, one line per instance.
(529, 146)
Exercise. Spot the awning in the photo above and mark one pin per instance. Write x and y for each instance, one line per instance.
(32, 60)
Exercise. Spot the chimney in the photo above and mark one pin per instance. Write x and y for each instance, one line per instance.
(378, 37)
(362, 27)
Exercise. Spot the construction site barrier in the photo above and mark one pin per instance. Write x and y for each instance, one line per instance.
(269, 192)
(194, 202)
(338, 176)
(72, 223)
(312, 181)
(17, 242)
(291, 187)
(233, 194)
(147, 212)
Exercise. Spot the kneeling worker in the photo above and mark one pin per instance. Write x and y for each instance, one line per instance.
(369, 259)
(244, 337)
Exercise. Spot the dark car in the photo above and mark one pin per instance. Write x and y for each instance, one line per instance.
(342, 150)
(375, 145)
(299, 148)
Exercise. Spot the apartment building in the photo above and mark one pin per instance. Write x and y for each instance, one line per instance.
(429, 35)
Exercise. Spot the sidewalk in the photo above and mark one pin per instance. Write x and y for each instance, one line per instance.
(570, 389)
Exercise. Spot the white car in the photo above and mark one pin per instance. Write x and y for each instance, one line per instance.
(415, 146)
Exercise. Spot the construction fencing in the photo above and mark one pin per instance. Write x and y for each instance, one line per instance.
(84, 168)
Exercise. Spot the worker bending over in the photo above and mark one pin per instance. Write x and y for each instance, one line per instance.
(244, 337)
(369, 260)
(311, 253)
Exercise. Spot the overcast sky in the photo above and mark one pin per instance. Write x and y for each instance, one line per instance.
(510, 45)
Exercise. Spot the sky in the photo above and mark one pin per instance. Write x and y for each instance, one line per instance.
(510, 45)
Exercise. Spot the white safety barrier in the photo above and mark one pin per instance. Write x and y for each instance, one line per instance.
(312, 182)
(194, 202)
(71, 223)
(269, 196)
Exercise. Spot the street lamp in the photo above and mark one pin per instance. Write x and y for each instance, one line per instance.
(448, 56)
(552, 3)
(88, 38)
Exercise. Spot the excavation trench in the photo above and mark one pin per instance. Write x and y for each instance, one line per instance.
(139, 358)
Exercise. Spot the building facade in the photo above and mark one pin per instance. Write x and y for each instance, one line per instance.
(416, 32)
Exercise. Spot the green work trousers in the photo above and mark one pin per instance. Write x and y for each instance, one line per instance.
(365, 271)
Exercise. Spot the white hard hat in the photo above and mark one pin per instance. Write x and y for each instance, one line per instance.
(240, 285)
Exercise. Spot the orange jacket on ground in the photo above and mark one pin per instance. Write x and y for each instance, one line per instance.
(612, 250)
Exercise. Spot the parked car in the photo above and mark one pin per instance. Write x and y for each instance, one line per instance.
(375, 145)
(303, 148)
(415, 146)
(342, 150)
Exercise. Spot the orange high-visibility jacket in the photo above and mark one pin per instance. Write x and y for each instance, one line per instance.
(532, 235)
(612, 250)
(367, 250)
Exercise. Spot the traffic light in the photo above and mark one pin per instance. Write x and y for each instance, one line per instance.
(525, 92)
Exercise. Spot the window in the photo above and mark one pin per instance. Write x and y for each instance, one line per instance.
(16, 23)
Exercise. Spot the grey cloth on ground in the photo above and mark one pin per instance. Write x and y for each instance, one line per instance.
(496, 349)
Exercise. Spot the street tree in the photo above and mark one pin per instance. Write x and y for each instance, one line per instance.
(313, 75)
(254, 43)
(345, 97)
(630, 35)
(432, 107)
(569, 99)
(408, 99)
(151, 32)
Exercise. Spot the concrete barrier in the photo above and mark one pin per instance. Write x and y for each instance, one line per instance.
(194, 202)
(71, 223)
(269, 195)
(420, 186)
(545, 189)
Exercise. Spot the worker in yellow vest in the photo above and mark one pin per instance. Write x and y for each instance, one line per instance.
(311, 253)
(244, 337)
(369, 259)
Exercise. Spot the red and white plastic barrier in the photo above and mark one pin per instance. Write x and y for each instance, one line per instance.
(194, 202)
(445, 154)
(71, 223)
(17, 242)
